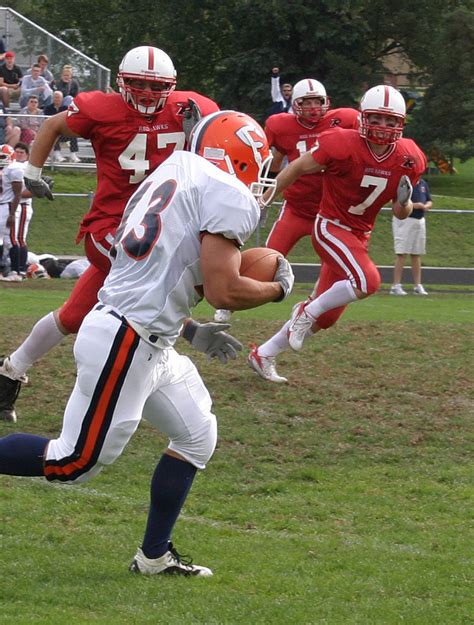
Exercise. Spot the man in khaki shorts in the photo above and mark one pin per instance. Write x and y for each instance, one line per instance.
(409, 237)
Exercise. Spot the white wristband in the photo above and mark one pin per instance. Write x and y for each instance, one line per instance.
(32, 172)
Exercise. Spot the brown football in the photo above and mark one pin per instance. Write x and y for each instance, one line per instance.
(259, 263)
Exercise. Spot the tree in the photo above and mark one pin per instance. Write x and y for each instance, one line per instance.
(445, 119)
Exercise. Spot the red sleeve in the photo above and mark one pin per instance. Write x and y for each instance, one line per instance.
(80, 117)
(329, 145)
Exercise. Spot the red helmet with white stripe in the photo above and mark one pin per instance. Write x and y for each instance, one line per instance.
(312, 91)
(385, 101)
(145, 79)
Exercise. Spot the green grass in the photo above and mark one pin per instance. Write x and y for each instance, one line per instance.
(342, 498)
(449, 240)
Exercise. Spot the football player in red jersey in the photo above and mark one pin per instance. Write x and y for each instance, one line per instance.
(364, 170)
(131, 132)
(290, 136)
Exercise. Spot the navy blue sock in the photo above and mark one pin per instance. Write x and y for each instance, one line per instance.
(170, 486)
(22, 258)
(22, 454)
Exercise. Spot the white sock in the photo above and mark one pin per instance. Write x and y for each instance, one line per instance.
(43, 337)
(278, 343)
(340, 294)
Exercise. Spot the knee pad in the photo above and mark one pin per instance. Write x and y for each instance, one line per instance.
(198, 450)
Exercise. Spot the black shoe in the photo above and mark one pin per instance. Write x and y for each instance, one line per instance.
(9, 390)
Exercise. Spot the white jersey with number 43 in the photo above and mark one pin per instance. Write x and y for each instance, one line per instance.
(157, 264)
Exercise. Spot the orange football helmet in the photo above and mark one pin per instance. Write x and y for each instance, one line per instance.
(7, 154)
(237, 144)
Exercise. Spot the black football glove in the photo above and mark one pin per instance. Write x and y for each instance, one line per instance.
(192, 115)
(38, 188)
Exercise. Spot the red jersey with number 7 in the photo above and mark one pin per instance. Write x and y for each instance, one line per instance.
(288, 134)
(127, 146)
(357, 183)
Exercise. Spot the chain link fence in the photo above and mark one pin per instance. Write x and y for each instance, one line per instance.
(28, 40)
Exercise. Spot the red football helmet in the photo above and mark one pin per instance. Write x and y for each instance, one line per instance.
(237, 144)
(7, 154)
(387, 101)
(145, 79)
(306, 89)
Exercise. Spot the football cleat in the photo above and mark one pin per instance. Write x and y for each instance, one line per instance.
(171, 563)
(300, 323)
(13, 276)
(420, 290)
(265, 366)
(9, 389)
(222, 316)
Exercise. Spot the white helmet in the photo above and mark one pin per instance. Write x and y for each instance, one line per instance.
(384, 100)
(150, 65)
(309, 88)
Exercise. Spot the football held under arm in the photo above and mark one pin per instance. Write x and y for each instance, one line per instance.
(224, 287)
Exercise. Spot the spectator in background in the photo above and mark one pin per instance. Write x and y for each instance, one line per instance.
(31, 124)
(281, 97)
(68, 85)
(2, 50)
(35, 84)
(9, 132)
(43, 61)
(56, 107)
(409, 237)
(10, 79)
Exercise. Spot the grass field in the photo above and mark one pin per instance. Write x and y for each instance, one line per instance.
(54, 225)
(342, 498)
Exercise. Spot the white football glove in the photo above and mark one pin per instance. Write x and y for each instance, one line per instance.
(404, 190)
(210, 339)
(284, 275)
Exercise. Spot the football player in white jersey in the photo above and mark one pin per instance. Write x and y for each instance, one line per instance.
(179, 239)
(15, 210)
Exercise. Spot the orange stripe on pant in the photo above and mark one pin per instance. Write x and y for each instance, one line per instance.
(94, 429)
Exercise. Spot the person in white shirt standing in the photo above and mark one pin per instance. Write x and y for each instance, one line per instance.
(16, 211)
(178, 241)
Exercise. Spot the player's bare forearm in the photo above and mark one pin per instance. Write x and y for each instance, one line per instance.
(51, 129)
(223, 285)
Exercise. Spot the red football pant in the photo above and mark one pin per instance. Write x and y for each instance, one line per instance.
(83, 297)
(344, 256)
(288, 229)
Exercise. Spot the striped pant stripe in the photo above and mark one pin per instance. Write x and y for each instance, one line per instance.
(100, 413)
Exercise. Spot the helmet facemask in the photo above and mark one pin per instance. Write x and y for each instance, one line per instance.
(147, 101)
(381, 135)
(311, 112)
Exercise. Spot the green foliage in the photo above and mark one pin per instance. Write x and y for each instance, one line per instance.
(226, 49)
(445, 119)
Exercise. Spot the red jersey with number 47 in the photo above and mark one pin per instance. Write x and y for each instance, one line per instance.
(127, 146)
(290, 137)
(357, 183)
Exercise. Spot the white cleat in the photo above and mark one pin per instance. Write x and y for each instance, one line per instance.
(397, 290)
(13, 276)
(171, 563)
(300, 324)
(222, 316)
(420, 290)
(73, 158)
(265, 366)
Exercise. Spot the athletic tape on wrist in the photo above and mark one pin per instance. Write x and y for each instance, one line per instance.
(32, 172)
